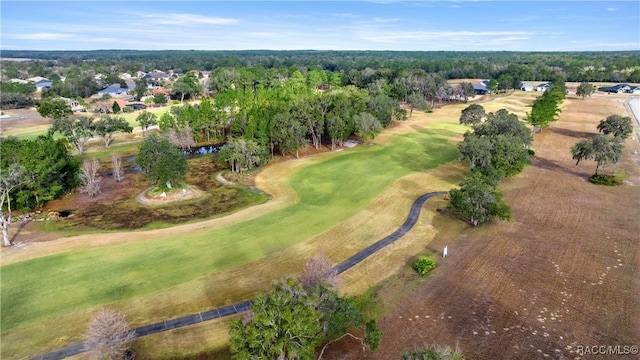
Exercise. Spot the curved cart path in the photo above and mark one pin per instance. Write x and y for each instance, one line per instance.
(411, 220)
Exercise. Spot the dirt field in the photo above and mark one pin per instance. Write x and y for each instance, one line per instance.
(14, 122)
(564, 273)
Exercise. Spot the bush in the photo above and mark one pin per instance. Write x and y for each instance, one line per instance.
(608, 180)
(424, 265)
(531, 152)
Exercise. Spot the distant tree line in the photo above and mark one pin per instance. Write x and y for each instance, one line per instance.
(614, 66)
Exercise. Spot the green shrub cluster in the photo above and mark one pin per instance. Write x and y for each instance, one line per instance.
(605, 179)
(424, 265)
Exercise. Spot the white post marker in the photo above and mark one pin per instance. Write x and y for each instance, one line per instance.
(444, 252)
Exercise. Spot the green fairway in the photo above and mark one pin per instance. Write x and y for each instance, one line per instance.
(329, 192)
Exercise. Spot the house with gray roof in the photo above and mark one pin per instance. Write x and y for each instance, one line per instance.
(114, 90)
(543, 87)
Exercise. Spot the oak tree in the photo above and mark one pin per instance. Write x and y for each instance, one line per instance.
(77, 132)
(161, 161)
(620, 127)
(472, 115)
(585, 89)
(146, 119)
(108, 125)
(477, 202)
(602, 149)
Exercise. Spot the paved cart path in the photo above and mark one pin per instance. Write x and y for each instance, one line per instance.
(224, 311)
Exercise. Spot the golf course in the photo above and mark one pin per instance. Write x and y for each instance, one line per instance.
(50, 290)
(336, 203)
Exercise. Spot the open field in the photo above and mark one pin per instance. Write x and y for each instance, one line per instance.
(156, 274)
(564, 272)
(28, 124)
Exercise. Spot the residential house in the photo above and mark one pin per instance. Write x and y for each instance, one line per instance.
(113, 90)
(156, 76)
(619, 89)
(130, 84)
(635, 90)
(136, 106)
(480, 88)
(164, 91)
(74, 104)
(526, 86)
(543, 87)
(40, 82)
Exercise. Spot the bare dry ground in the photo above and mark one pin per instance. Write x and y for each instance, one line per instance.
(564, 273)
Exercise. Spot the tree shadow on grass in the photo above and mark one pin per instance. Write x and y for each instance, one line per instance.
(573, 133)
(19, 230)
(551, 165)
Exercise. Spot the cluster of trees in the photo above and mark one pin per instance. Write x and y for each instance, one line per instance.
(618, 66)
(299, 319)
(606, 147)
(77, 83)
(546, 108)
(79, 131)
(15, 95)
(33, 172)
(283, 112)
(497, 148)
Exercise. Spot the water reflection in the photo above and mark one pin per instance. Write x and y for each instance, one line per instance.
(194, 152)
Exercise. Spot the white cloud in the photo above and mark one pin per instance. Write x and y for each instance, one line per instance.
(385, 20)
(38, 36)
(263, 34)
(627, 45)
(105, 40)
(611, 9)
(345, 15)
(440, 36)
(188, 19)
(519, 20)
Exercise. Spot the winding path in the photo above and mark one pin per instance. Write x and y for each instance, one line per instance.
(224, 311)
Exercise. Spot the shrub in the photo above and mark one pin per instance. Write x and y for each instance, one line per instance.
(424, 265)
(609, 180)
(531, 152)
(435, 353)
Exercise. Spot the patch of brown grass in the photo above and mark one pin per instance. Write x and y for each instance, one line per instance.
(541, 283)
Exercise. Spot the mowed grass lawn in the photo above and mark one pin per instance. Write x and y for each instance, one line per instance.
(60, 286)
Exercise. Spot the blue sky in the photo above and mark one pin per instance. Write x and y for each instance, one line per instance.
(322, 25)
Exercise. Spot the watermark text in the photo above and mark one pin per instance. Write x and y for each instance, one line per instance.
(607, 350)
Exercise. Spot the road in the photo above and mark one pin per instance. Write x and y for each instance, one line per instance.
(634, 104)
